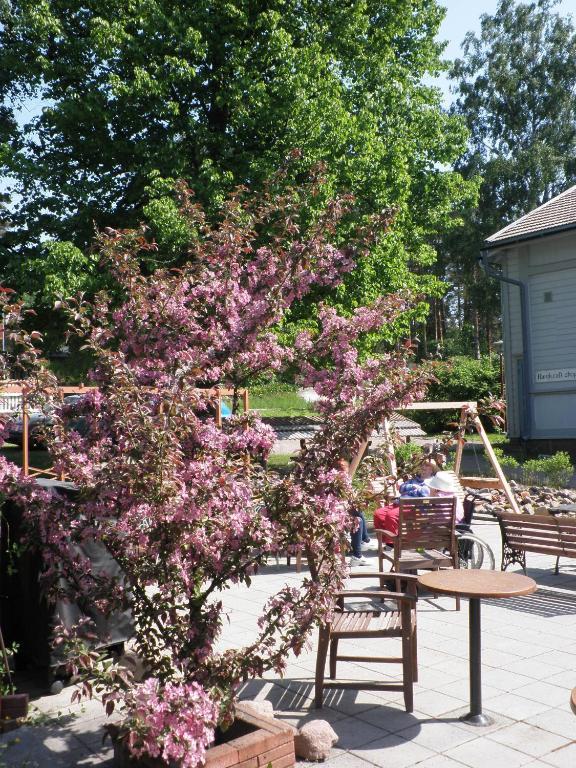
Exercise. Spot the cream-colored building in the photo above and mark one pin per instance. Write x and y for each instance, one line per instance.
(535, 260)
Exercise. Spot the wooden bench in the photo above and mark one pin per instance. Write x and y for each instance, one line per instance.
(544, 534)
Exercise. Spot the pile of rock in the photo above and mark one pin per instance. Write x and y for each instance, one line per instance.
(531, 499)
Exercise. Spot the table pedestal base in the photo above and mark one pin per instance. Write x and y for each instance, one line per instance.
(479, 720)
(475, 716)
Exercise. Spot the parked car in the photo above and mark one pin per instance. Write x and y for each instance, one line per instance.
(39, 419)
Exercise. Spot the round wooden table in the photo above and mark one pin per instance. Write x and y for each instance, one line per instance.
(476, 584)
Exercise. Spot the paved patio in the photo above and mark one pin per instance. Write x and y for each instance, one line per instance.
(529, 668)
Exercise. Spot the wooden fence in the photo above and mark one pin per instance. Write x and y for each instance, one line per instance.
(14, 400)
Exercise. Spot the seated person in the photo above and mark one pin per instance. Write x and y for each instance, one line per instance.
(386, 518)
(443, 484)
(359, 536)
(414, 487)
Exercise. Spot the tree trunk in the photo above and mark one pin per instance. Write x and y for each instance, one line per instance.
(425, 339)
(476, 334)
(441, 322)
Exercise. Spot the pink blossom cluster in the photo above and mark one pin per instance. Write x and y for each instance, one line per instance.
(175, 722)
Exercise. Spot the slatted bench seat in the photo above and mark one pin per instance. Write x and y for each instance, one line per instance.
(543, 534)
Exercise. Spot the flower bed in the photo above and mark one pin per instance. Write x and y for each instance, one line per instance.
(252, 741)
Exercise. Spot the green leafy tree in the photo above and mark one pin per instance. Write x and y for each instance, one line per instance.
(516, 90)
(136, 94)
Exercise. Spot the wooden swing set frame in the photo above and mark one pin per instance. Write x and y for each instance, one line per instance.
(468, 415)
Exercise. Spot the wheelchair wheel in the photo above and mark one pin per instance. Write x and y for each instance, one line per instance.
(475, 553)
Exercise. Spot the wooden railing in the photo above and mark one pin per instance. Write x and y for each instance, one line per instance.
(14, 399)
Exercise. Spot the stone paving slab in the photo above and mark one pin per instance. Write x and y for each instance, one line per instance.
(529, 668)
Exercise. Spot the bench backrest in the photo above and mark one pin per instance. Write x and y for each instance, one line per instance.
(567, 528)
(534, 533)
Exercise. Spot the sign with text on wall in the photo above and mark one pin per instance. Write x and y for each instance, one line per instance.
(556, 374)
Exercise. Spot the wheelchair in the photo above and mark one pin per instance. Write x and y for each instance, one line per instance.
(473, 551)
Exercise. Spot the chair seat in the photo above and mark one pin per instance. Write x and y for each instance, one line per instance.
(356, 623)
(428, 559)
(375, 613)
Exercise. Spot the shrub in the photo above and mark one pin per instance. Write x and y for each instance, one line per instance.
(406, 454)
(506, 462)
(460, 378)
(554, 471)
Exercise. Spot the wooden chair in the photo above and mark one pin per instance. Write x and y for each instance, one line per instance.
(426, 539)
(393, 615)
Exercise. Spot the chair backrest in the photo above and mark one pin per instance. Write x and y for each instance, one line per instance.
(427, 522)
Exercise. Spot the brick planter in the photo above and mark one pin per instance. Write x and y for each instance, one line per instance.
(255, 741)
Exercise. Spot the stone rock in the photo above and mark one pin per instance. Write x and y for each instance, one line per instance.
(56, 687)
(541, 498)
(263, 707)
(315, 740)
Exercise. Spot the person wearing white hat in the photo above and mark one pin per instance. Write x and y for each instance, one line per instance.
(443, 484)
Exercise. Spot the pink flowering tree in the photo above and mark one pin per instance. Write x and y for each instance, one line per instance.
(184, 507)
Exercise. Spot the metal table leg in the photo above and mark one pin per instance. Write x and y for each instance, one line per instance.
(475, 716)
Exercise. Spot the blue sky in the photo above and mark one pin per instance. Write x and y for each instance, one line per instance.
(464, 15)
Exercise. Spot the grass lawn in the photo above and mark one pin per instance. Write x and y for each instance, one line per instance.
(280, 461)
(495, 438)
(282, 402)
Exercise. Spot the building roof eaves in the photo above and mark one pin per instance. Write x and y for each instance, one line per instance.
(554, 215)
(492, 245)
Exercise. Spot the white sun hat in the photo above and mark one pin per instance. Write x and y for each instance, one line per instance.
(442, 481)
